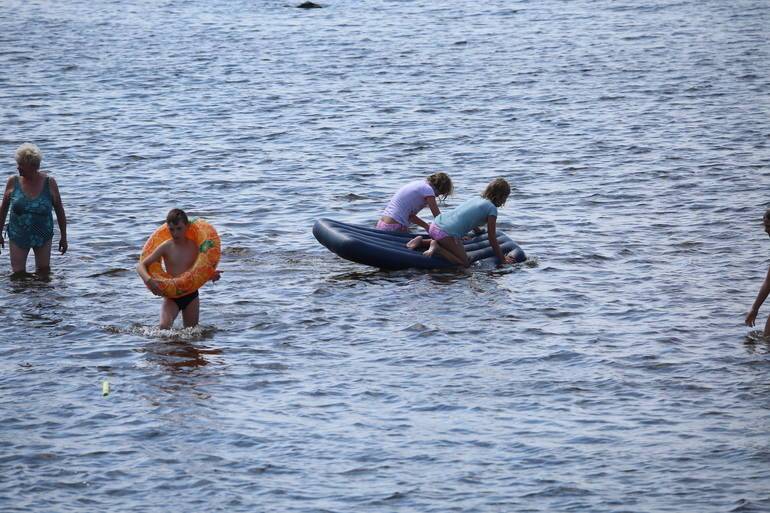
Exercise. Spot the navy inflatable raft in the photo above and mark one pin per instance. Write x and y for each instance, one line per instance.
(387, 250)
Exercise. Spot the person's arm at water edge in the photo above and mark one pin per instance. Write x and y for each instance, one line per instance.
(764, 290)
(4, 208)
(492, 234)
(61, 217)
(143, 265)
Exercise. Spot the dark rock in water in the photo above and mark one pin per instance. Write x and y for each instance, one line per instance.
(308, 5)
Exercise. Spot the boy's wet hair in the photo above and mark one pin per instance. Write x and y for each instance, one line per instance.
(441, 183)
(497, 192)
(176, 216)
(766, 217)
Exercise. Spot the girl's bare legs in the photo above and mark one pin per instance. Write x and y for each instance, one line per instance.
(43, 258)
(432, 249)
(449, 249)
(418, 243)
(18, 258)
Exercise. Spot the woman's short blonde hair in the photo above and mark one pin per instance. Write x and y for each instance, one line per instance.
(497, 192)
(28, 153)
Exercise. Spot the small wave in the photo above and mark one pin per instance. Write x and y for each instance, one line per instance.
(359, 471)
(109, 272)
(397, 495)
(598, 257)
(640, 37)
(418, 327)
(560, 491)
(745, 505)
(350, 197)
(198, 332)
(237, 251)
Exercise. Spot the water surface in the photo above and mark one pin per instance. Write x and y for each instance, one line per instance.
(611, 372)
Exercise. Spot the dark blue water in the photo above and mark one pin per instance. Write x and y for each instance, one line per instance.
(610, 372)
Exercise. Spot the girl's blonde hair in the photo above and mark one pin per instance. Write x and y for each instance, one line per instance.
(497, 192)
(28, 153)
(441, 183)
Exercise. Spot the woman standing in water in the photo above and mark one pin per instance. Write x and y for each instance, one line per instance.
(31, 197)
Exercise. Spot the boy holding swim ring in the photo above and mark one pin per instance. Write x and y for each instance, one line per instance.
(178, 254)
(410, 199)
(447, 229)
(764, 290)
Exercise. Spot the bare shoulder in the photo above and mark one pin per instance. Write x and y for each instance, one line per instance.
(162, 248)
(54, 187)
(161, 251)
(9, 185)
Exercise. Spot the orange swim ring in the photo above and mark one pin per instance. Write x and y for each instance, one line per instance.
(209, 251)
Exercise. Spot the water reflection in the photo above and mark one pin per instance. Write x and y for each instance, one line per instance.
(385, 276)
(175, 348)
(35, 301)
(23, 280)
(369, 276)
(179, 354)
(756, 342)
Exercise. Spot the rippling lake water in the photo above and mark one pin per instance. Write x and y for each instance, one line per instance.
(610, 372)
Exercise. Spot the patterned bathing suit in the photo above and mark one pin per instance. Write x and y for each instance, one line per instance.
(31, 222)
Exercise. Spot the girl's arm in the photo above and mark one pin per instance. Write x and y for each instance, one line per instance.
(492, 234)
(142, 267)
(432, 205)
(764, 290)
(416, 220)
(61, 217)
(4, 208)
(431, 201)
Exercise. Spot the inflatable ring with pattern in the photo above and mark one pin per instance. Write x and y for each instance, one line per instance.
(209, 251)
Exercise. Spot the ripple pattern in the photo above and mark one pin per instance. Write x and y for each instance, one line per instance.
(611, 372)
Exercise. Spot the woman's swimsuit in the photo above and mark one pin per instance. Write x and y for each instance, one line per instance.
(31, 223)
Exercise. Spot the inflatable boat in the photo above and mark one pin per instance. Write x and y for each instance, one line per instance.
(387, 250)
